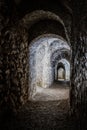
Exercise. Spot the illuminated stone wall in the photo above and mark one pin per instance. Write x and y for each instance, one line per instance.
(41, 69)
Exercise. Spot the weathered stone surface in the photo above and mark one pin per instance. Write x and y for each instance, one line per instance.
(15, 65)
(79, 60)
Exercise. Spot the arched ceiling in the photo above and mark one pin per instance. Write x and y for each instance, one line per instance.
(46, 17)
(26, 4)
(22, 7)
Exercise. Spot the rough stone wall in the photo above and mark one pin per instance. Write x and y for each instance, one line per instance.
(7, 19)
(79, 60)
(15, 65)
(79, 81)
(3, 23)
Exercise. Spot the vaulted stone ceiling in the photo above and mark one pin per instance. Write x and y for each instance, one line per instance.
(73, 13)
(28, 5)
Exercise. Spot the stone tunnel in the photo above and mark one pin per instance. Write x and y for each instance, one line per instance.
(44, 53)
(43, 64)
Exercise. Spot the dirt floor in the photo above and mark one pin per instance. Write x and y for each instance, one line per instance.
(43, 115)
(57, 91)
(38, 115)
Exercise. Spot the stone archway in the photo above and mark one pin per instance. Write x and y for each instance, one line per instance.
(41, 70)
(65, 64)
